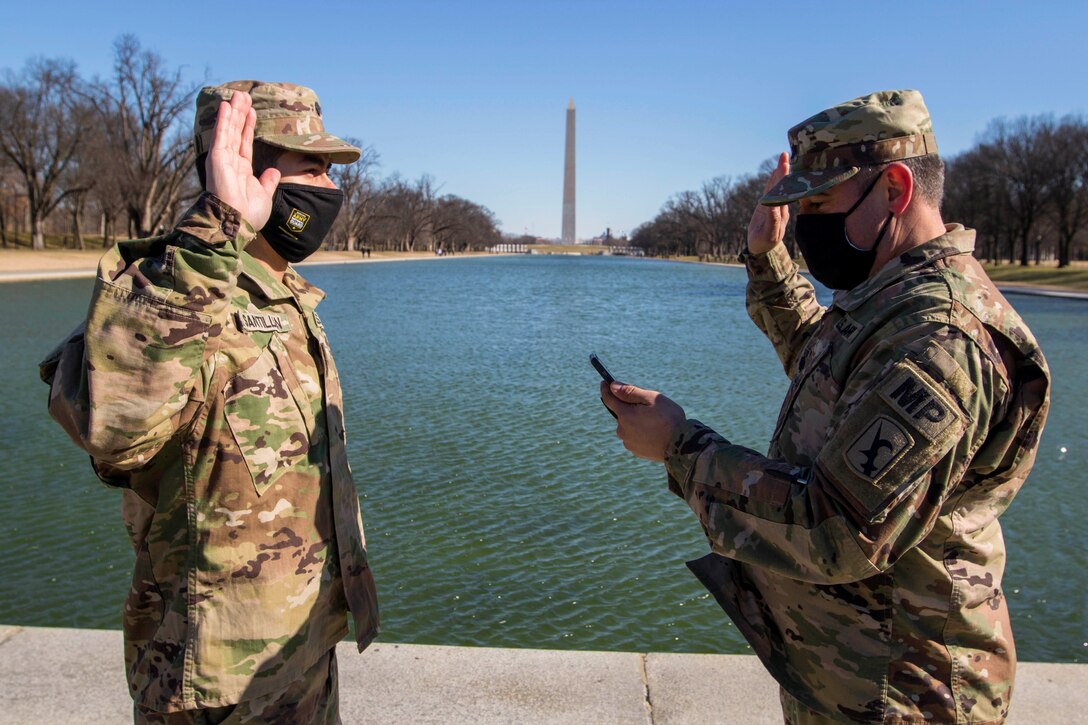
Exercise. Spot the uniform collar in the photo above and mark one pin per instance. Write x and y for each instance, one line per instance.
(293, 285)
(308, 295)
(955, 240)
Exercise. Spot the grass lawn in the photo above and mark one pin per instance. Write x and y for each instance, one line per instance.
(1047, 274)
(55, 242)
(1073, 277)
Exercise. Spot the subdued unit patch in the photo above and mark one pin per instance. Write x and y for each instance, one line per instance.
(921, 402)
(878, 446)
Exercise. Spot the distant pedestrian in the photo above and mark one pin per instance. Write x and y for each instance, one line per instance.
(862, 556)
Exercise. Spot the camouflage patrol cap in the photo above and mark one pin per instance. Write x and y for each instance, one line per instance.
(833, 145)
(288, 117)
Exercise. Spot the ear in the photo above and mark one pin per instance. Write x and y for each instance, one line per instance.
(899, 181)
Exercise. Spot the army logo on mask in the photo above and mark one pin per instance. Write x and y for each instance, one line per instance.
(297, 221)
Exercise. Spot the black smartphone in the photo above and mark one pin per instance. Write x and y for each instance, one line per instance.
(600, 368)
(605, 375)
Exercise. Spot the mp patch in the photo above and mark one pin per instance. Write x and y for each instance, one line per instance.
(898, 429)
(877, 448)
(921, 402)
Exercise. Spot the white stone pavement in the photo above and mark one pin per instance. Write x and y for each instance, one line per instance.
(76, 676)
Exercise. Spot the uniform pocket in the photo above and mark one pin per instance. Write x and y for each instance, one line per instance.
(813, 394)
(265, 421)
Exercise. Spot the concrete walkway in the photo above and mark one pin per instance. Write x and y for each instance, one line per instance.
(77, 676)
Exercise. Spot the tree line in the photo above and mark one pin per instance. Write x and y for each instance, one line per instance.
(1023, 186)
(116, 155)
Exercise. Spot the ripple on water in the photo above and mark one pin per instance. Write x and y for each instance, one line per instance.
(500, 508)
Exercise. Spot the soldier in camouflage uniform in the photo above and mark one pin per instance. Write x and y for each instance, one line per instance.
(862, 556)
(203, 386)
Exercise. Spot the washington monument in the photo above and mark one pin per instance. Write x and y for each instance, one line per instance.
(568, 180)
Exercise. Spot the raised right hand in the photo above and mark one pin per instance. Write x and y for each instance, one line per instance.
(230, 162)
(768, 226)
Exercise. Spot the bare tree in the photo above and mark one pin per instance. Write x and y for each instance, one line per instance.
(460, 225)
(671, 233)
(707, 211)
(711, 222)
(82, 175)
(361, 189)
(144, 109)
(407, 212)
(743, 198)
(41, 129)
(9, 190)
(1023, 187)
(79, 180)
(1016, 153)
(968, 201)
(1067, 155)
(108, 196)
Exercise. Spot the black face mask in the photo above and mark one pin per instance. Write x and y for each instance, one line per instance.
(831, 257)
(302, 216)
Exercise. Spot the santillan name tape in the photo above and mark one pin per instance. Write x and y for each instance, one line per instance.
(261, 322)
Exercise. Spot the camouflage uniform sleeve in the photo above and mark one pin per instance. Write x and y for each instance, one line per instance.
(782, 303)
(911, 417)
(123, 388)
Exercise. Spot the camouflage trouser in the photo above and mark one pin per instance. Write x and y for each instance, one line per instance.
(796, 713)
(313, 698)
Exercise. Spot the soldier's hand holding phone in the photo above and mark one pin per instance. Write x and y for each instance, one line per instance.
(646, 419)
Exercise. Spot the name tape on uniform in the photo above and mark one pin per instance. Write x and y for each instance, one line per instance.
(261, 322)
(848, 327)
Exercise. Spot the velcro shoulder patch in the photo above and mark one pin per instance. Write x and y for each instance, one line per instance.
(897, 431)
(878, 447)
(919, 400)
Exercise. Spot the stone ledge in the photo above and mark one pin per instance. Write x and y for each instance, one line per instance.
(76, 676)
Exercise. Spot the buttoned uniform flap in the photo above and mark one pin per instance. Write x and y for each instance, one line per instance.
(265, 420)
(812, 385)
(905, 423)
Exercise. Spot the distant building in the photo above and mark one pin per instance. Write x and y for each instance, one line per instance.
(508, 248)
(618, 246)
(625, 251)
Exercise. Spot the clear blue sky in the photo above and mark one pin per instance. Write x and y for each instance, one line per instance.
(669, 94)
